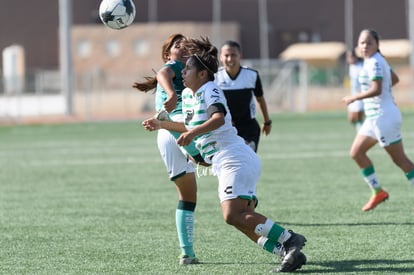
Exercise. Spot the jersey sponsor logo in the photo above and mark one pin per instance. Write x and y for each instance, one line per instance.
(189, 114)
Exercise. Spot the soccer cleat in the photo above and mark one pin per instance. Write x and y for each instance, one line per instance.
(292, 247)
(186, 260)
(162, 115)
(286, 266)
(376, 199)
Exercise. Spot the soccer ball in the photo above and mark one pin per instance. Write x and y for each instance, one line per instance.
(117, 14)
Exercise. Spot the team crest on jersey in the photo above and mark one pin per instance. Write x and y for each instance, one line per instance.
(199, 94)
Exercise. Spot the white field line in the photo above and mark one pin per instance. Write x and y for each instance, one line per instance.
(84, 162)
(91, 154)
(305, 155)
(157, 160)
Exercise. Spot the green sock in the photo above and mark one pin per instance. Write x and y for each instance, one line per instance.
(410, 177)
(270, 246)
(184, 218)
(371, 179)
(276, 232)
(272, 231)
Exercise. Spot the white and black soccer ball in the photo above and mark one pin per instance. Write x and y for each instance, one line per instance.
(117, 14)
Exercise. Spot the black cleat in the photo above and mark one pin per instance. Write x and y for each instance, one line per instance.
(290, 266)
(293, 246)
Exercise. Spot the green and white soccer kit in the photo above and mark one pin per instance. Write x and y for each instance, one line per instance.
(174, 156)
(383, 118)
(161, 96)
(235, 163)
(176, 160)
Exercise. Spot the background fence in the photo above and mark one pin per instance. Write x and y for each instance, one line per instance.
(290, 86)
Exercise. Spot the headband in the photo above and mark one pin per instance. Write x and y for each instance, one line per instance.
(202, 63)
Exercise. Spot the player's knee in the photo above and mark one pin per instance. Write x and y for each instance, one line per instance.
(230, 218)
(355, 154)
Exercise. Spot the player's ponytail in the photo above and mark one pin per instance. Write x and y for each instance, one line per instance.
(205, 55)
(149, 84)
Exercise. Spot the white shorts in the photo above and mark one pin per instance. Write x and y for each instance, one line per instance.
(238, 170)
(385, 129)
(356, 106)
(175, 160)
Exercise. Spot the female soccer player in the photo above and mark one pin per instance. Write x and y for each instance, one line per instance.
(241, 85)
(169, 85)
(208, 122)
(356, 108)
(383, 119)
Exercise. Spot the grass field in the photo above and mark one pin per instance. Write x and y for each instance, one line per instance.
(94, 198)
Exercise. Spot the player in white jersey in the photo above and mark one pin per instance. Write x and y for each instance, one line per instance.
(356, 108)
(383, 118)
(241, 86)
(168, 84)
(208, 122)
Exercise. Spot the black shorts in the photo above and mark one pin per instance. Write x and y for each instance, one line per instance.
(249, 131)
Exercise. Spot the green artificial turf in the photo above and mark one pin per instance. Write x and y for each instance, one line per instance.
(94, 198)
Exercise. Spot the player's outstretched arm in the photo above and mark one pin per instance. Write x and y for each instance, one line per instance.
(153, 124)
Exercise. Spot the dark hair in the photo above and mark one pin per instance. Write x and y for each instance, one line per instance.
(354, 55)
(232, 44)
(151, 81)
(204, 55)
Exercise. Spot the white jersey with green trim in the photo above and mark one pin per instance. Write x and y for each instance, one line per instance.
(195, 107)
(376, 67)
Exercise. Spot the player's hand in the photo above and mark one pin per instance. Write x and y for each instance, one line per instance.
(185, 138)
(151, 124)
(348, 99)
(266, 129)
(170, 103)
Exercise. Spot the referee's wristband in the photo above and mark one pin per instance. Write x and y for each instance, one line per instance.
(268, 123)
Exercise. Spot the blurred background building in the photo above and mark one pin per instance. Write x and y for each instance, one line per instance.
(297, 45)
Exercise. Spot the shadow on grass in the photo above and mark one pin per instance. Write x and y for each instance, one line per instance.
(237, 263)
(345, 224)
(380, 266)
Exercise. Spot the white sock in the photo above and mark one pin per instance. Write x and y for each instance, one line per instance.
(284, 236)
(263, 229)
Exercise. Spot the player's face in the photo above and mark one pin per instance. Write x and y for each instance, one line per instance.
(191, 75)
(230, 57)
(178, 52)
(367, 45)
